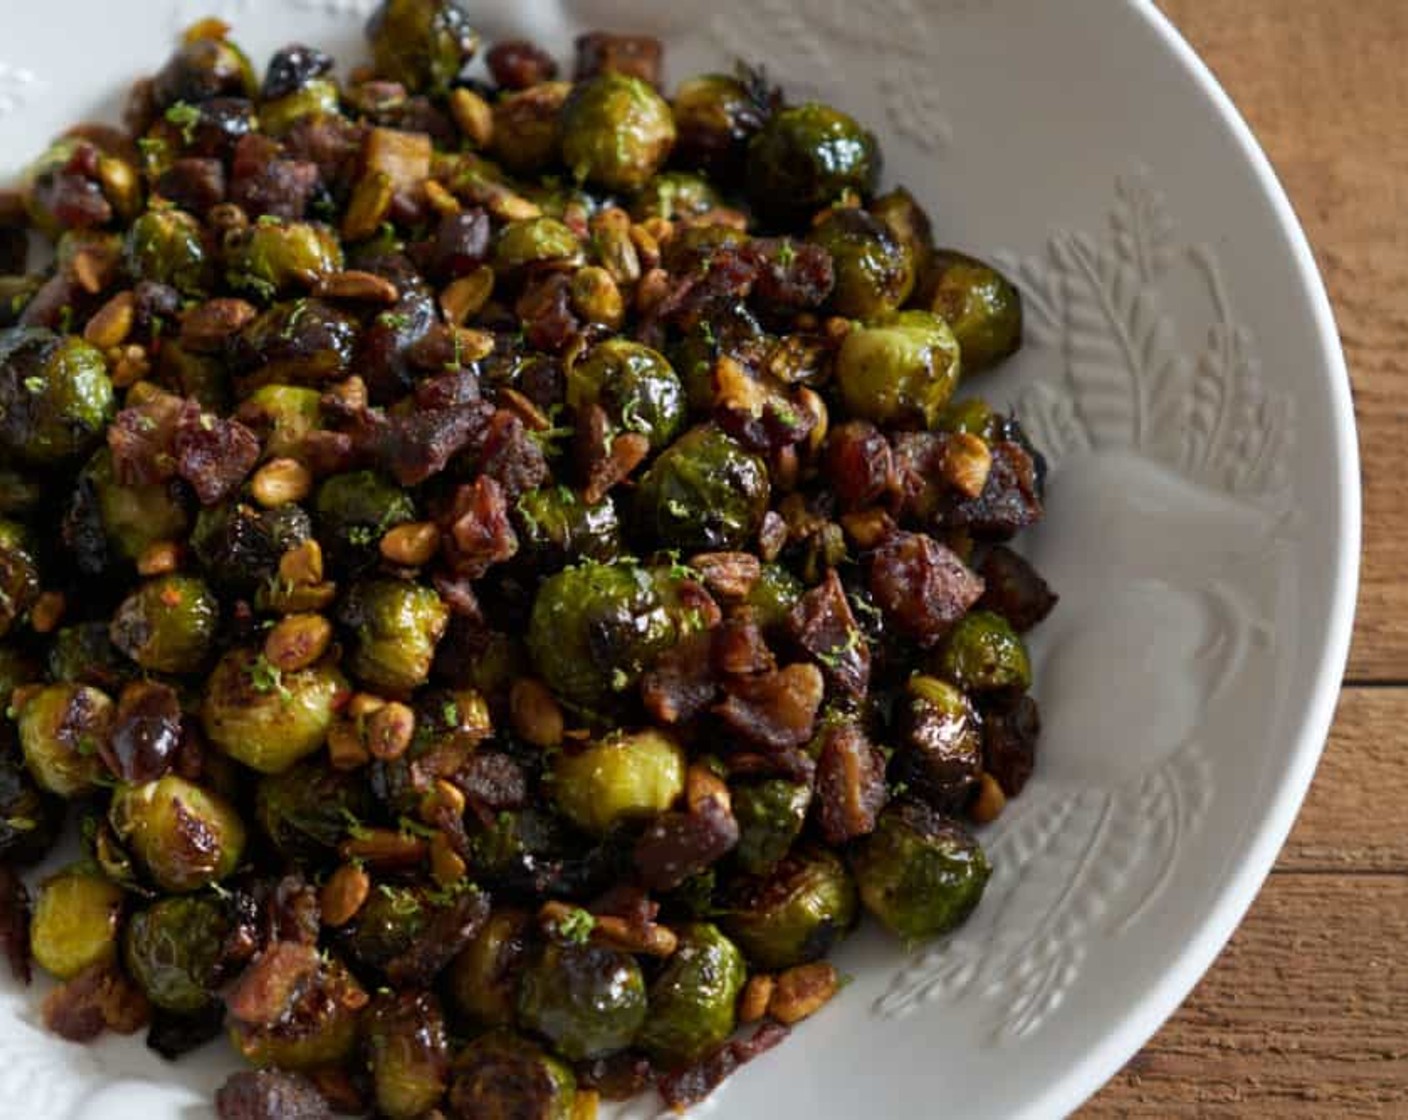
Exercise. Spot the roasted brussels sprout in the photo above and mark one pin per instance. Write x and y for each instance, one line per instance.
(134, 517)
(265, 718)
(319, 97)
(320, 1026)
(29, 819)
(940, 748)
(282, 415)
(239, 546)
(617, 132)
(676, 195)
(272, 257)
(716, 116)
(528, 127)
(303, 341)
(84, 654)
(60, 729)
(982, 653)
(595, 627)
(168, 624)
(502, 1076)
(624, 776)
(874, 269)
(634, 384)
(55, 396)
(307, 811)
(56, 198)
(204, 67)
(907, 221)
(692, 1001)
(901, 369)
(353, 512)
(395, 627)
(806, 157)
(556, 528)
(773, 597)
(185, 837)
(75, 924)
(423, 44)
(166, 247)
(408, 1054)
(173, 950)
(387, 925)
(586, 1000)
(920, 873)
(484, 977)
(794, 914)
(770, 814)
(982, 307)
(704, 492)
(540, 242)
(19, 574)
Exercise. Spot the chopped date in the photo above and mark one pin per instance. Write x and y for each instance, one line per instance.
(680, 685)
(850, 784)
(266, 1094)
(1014, 589)
(1010, 732)
(1010, 500)
(922, 587)
(676, 845)
(690, 1086)
(822, 624)
(776, 710)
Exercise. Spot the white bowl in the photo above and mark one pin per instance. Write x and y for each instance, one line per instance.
(1182, 372)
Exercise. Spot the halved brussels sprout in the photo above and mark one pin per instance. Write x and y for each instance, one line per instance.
(635, 385)
(617, 132)
(269, 719)
(395, 628)
(305, 341)
(408, 1053)
(940, 751)
(806, 157)
(321, 1027)
(675, 195)
(540, 242)
(134, 517)
(502, 1076)
(705, 492)
(61, 728)
(168, 624)
(55, 396)
(982, 306)
(484, 977)
(319, 97)
(773, 597)
(29, 819)
(587, 1001)
(167, 247)
(173, 950)
(920, 873)
(239, 546)
(624, 776)
(901, 369)
(528, 127)
(282, 415)
(185, 837)
(204, 67)
(716, 116)
(76, 921)
(794, 914)
(693, 1000)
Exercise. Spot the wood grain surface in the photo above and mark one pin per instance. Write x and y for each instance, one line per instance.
(1306, 1012)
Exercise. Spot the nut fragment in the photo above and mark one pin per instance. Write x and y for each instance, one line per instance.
(867, 528)
(368, 207)
(654, 287)
(989, 803)
(302, 565)
(803, 991)
(354, 284)
(207, 327)
(585, 1103)
(297, 641)
(701, 785)
(346, 750)
(651, 939)
(473, 115)
(389, 730)
(966, 463)
(129, 365)
(465, 298)
(757, 994)
(730, 576)
(447, 866)
(535, 713)
(111, 323)
(411, 544)
(159, 558)
(440, 199)
(343, 894)
(443, 797)
(596, 297)
(279, 482)
(47, 611)
(385, 847)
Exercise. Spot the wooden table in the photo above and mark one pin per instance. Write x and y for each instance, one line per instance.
(1306, 1012)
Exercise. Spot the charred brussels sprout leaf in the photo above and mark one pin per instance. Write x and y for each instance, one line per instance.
(616, 132)
(901, 369)
(502, 1076)
(919, 873)
(173, 950)
(185, 837)
(635, 385)
(423, 44)
(705, 492)
(585, 1000)
(794, 914)
(55, 396)
(807, 157)
(265, 718)
(168, 624)
(692, 1001)
(75, 923)
(622, 777)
